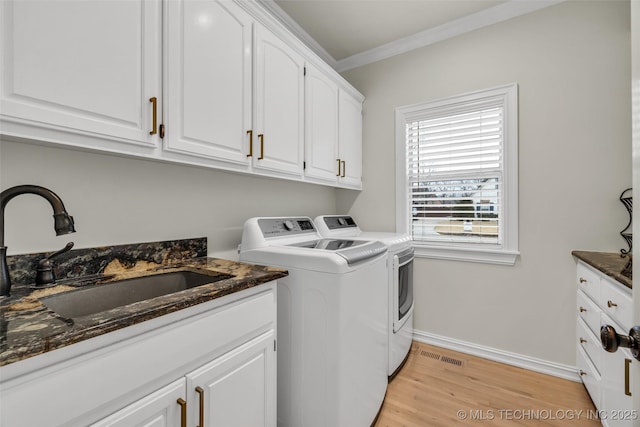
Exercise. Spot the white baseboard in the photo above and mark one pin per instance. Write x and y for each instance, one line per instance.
(519, 360)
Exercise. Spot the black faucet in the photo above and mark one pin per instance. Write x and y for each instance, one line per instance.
(63, 224)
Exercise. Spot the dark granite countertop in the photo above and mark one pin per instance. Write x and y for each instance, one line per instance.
(28, 328)
(610, 263)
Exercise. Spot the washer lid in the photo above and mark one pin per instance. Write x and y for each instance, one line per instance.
(352, 251)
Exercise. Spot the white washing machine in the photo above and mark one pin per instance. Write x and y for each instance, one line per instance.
(400, 279)
(332, 314)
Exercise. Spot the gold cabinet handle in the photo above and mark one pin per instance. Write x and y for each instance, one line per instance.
(582, 373)
(339, 166)
(200, 392)
(582, 280)
(582, 309)
(250, 133)
(627, 368)
(261, 138)
(154, 104)
(183, 412)
(344, 169)
(611, 304)
(582, 340)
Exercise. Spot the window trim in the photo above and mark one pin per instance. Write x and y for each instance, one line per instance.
(507, 252)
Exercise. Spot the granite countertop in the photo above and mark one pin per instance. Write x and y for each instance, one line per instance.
(28, 328)
(610, 263)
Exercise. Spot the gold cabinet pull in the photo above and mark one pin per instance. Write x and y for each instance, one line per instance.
(250, 133)
(582, 309)
(261, 138)
(582, 280)
(611, 304)
(339, 167)
(582, 373)
(200, 392)
(154, 103)
(344, 169)
(183, 412)
(627, 385)
(582, 340)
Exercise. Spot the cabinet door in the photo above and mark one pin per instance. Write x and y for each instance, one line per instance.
(159, 409)
(350, 140)
(279, 105)
(321, 126)
(208, 92)
(238, 388)
(80, 67)
(617, 385)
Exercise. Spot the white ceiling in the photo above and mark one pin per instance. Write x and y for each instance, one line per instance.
(350, 33)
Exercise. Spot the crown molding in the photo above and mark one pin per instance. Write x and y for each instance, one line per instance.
(484, 18)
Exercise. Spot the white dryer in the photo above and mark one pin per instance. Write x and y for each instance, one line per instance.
(400, 279)
(332, 314)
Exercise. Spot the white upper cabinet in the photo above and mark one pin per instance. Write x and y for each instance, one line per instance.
(85, 68)
(333, 132)
(214, 83)
(350, 140)
(278, 134)
(321, 126)
(208, 95)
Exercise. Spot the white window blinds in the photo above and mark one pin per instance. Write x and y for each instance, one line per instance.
(455, 173)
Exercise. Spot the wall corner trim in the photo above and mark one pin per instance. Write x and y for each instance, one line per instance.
(514, 359)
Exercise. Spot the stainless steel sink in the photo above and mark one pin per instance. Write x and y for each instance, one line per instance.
(98, 298)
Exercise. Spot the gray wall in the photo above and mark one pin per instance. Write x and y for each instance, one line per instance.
(117, 200)
(572, 64)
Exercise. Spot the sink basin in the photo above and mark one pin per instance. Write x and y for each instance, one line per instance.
(98, 298)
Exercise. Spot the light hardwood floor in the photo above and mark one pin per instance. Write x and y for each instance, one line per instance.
(439, 387)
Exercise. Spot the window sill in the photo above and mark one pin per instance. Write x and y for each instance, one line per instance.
(485, 256)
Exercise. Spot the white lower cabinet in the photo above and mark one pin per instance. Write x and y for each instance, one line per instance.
(159, 409)
(606, 376)
(213, 364)
(232, 390)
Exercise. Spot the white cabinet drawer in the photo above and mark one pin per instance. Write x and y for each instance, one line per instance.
(590, 344)
(588, 281)
(590, 377)
(589, 312)
(615, 300)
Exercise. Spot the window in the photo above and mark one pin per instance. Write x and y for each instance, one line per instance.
(457, 171)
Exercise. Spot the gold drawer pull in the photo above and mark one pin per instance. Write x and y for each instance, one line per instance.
(183, 412)
(582, 373)
(611, 304)
(627, 388)
(154, 104)
(250, 133)
(582, 309)
(582, 340)
(582, 280)
(200, 391)
(344, 169)
(261, 138)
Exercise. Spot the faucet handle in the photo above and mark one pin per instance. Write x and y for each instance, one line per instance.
(45, 275)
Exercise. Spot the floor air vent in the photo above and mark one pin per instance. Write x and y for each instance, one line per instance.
(451, 360)
(429, 354)
(444, 359)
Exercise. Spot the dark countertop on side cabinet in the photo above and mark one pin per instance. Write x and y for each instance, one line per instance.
(610, 263)
(28, 328)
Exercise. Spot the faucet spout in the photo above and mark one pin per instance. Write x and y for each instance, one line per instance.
(63, 224)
